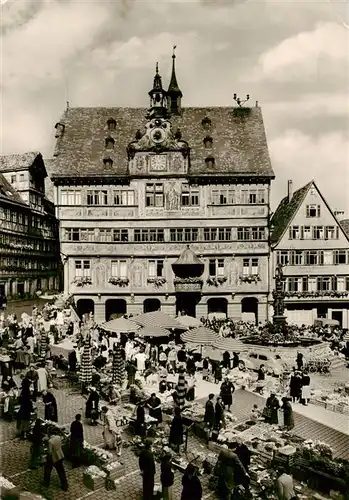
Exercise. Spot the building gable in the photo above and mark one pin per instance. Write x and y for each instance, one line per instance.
(311, 222)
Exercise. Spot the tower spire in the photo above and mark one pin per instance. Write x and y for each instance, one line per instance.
(174, 93)
(157, 95)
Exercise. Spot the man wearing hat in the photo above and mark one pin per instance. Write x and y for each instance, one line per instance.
(147, 468)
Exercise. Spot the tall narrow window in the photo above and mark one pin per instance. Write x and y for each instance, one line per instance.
(155, 268)
(154, 195)
(190, 195)
(216, 267)
(119, 269)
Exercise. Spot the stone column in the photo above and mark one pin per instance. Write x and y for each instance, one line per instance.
(262, 310)
(99, 310)
(234, 309)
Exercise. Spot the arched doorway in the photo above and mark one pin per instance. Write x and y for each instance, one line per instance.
(186, 304)
(217, 306)
(249, 309)
(85, 306)
(114, 308)
(151, 305)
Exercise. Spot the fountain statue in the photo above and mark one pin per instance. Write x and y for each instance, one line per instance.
(279, 319)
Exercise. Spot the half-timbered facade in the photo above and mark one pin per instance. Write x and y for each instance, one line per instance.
(29, 243)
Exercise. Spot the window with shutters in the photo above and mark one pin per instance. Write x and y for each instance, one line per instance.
(323, 283)
(331, 232)
(318, 233)
(282, 257)
(293, 284)
(307, 233)
(340, 257)
(294, 233)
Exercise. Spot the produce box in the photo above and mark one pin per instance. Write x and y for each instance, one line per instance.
(94, 482)
(115, 470)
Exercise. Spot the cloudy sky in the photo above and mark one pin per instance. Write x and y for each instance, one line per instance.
(291, 56)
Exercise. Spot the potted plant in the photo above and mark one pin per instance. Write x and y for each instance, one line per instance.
(157, 281)
(216, 280)
(122, 282)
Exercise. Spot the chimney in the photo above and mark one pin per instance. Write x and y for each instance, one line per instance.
(289, 190)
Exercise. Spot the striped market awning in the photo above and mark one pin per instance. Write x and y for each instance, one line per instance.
(200, 336)
(230, 345)
(153, 331)
(189, 321)
(120, 325)
(157, 318)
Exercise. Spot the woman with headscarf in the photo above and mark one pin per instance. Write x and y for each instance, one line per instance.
(226, 393)
(50, 403)
(270, 411)
(288, 414)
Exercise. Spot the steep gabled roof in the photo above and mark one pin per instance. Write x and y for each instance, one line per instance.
(15, 162)
(286, 211)
(239, 141)
(7, 192)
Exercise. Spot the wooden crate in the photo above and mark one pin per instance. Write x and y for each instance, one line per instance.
(93, 483)
(117, 472)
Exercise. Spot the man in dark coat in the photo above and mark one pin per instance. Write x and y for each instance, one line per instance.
(50, 403)
(72, 359)
(209, 417)
(76, 441)
(236, 360)
(192, 489)
(147, 468)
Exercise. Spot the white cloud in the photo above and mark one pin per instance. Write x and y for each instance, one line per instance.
(313, 105)
(34, 55)
(325, 158)
(307, 55)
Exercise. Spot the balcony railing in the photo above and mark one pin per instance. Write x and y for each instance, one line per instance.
(188, 284)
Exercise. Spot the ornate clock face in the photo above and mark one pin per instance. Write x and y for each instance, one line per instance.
(158, 163)
(157, 135)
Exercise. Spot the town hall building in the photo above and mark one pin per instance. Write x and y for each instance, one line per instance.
(165, 207)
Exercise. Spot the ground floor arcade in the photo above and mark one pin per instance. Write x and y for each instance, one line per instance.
(248, 308)
(26, 287)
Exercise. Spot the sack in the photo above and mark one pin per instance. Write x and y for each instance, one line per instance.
(266, 412)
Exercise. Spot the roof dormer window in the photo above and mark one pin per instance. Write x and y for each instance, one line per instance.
(210, 161)
(108, 162)
(208, 142)
(59, 130)
(109, 143)
(206, 123)
(111, 124)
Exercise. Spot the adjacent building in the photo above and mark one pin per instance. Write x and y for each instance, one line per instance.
(165, 207)
(311, 244)
(29, 243)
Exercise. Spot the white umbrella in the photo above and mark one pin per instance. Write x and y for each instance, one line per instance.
(120, 325)
(200, 336)
(189, 321)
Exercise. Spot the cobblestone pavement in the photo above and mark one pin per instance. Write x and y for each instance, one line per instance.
(14, 454)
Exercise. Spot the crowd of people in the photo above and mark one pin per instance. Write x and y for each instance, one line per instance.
(26, 347)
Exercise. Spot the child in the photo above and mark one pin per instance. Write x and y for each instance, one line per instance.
(118, 444)
(255, 413)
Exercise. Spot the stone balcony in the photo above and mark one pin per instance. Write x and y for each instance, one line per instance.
(188, 285)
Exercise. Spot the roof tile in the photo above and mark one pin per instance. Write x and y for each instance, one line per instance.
(239, 141)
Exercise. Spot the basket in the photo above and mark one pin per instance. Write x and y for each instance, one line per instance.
(117, 472)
